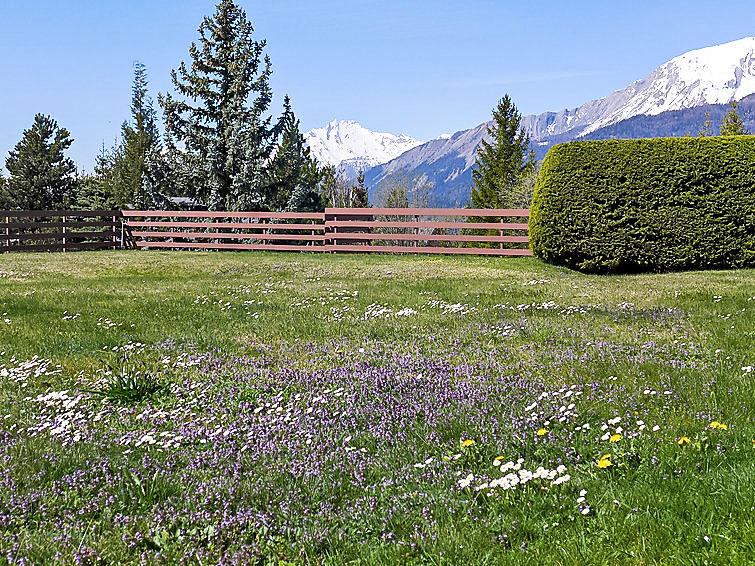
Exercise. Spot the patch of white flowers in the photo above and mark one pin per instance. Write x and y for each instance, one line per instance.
(516, 476)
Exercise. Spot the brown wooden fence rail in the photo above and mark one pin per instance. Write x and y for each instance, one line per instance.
(280, 231)
(428, 230)
(395, 230)
(60, 230)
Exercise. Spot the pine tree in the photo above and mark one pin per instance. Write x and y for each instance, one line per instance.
(293, 173)
(360, 199)
(733, 124)
(97, 191)
(41, 176)
(139, 138)
(228, 139)
(501, 163)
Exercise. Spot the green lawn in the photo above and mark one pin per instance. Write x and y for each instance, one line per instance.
(254, 408)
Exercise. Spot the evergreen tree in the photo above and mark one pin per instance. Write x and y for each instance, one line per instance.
(733, 124)
(41, 176)
(139, 138)
(334, 188)
(227, 138)
(293, 173)
(706, 130)
(504, 161)
(5, 201)
(306, 196)
(360, 199)
(97, 191)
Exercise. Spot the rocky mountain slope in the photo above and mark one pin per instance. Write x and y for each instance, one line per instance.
(672, 100)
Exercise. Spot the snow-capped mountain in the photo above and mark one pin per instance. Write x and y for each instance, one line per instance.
(713, 75)
(670, 101)
(352, 147)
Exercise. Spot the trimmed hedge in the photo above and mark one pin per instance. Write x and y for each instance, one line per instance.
(665, 204)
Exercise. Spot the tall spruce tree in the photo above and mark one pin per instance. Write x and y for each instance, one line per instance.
(502, 162)
(41, 176)
(140, 138)
(733, 124)
(221, 117)
(293, 174)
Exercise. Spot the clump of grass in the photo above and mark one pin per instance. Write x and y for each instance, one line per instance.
(129, 382)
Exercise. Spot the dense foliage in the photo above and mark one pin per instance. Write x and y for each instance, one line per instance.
(503, 162)
(647, 205)
(293, 174)
(140, 142)
(220, 115)
(41, 176)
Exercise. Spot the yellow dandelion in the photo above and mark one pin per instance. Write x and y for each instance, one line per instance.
(542, 432)
(614, 438)
(682, 441)
(468, 442)
(718, 425)
(604, 461)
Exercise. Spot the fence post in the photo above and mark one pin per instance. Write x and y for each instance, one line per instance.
(7, 231)
(335, 231)
(416, 230)
(115, 227)
(500, 233)
(64, 234)
(123, 233)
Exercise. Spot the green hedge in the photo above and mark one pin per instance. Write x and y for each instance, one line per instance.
(665, 204)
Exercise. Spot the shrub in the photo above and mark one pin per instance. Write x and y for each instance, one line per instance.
(661, 204)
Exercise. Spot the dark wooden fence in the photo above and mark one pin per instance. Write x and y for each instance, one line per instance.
(59, 230)
(395, 230)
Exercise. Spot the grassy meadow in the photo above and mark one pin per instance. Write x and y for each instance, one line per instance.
(259, 408)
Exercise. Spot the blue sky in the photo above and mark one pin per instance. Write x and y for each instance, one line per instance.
(418, 67)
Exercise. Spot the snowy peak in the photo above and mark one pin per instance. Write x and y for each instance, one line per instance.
(350, 142)
(712, 75)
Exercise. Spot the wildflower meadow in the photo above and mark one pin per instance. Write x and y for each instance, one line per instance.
(213, 408)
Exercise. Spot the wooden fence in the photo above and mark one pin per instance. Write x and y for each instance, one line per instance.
(60, 230)
(394, 230)
(339, 230)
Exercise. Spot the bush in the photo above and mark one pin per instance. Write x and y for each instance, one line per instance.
(663, 204)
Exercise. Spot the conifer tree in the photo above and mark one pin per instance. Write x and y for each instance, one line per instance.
(706, 130)
(293, 174)
(4, 196)
(41, 176)
(220, 117)
(139, 138)
(502, 162)
(733, 124)
(97, 191)
(360, 199)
